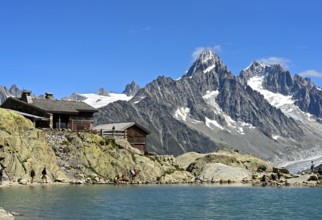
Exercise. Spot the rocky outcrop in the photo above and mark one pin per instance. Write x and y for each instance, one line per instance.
(23, 148)
(222, 166)
(4, 215)
(85, 156)
(77, 157)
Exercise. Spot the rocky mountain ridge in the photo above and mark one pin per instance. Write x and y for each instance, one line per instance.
(307, 96)
(12, 91)
(209, 108)
(263, 111)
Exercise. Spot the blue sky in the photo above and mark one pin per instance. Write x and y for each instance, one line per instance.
(66, 46)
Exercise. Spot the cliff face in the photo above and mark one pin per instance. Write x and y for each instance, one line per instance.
(22, 148)
(79, 157)
(90, 157)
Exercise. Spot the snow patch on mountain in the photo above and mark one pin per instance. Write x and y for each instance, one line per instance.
(209, 68)
(139, 100)
(210, 99)
(182, 113)
(275, 137)
(258, 67)
(207, 56)
(285, 103)
(210, 123)
(98, 101)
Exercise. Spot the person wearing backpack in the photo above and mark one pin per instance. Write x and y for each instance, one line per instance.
(1, 174)
(44, 175)
(32, 175)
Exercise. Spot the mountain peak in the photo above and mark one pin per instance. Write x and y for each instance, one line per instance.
(102, 92)
(207, 61)
(207, 56)
(131, 89)
(256, 66)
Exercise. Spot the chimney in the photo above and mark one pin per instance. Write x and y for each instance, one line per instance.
(26, 96)
(49, 95)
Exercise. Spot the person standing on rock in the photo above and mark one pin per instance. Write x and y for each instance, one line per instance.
(1, 174)
(312, 166)
(134, 174)
(32, 175)
(279, 174)
(44, 175)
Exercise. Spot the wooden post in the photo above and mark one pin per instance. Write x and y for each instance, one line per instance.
(51, 121)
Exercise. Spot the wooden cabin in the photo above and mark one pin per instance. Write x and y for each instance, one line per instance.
(52, 113)
(133, 132)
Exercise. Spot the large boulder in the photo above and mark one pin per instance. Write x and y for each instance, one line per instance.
(186, 159)
(229, 158)
(22, 148)
(217, 172)
(4, 215)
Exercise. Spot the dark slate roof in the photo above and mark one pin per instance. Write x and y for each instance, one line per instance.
(29, 115)
(61, 106)
(119, 126)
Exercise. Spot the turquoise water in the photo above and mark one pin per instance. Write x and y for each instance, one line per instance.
(162, 202)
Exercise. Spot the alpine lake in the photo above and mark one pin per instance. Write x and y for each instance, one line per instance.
(162, 202)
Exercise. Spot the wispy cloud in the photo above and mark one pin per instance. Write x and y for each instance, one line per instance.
(313, 73)
(217, 48)
(143, 29)
(275, 60)
(301, 47)
(146, 29)
(196, 53)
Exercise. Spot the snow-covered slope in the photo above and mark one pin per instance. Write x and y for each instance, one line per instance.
(98, 101)
(308, 122)
(283, 102)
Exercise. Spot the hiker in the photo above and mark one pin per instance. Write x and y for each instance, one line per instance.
(44, 173)
(279, 174)
(312, 166)
(1, 174)
(134, 174)
(32, 175)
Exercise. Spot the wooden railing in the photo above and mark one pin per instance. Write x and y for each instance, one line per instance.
(113, 134)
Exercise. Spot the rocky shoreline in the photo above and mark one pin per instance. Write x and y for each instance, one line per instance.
(4, 215)
(87, 158)
(258, 179)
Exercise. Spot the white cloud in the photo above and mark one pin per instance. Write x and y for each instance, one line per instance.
(217, 48)
(275, 60)
(313, 73)
(196, 53)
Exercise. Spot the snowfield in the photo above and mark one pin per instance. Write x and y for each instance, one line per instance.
(98, 101)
